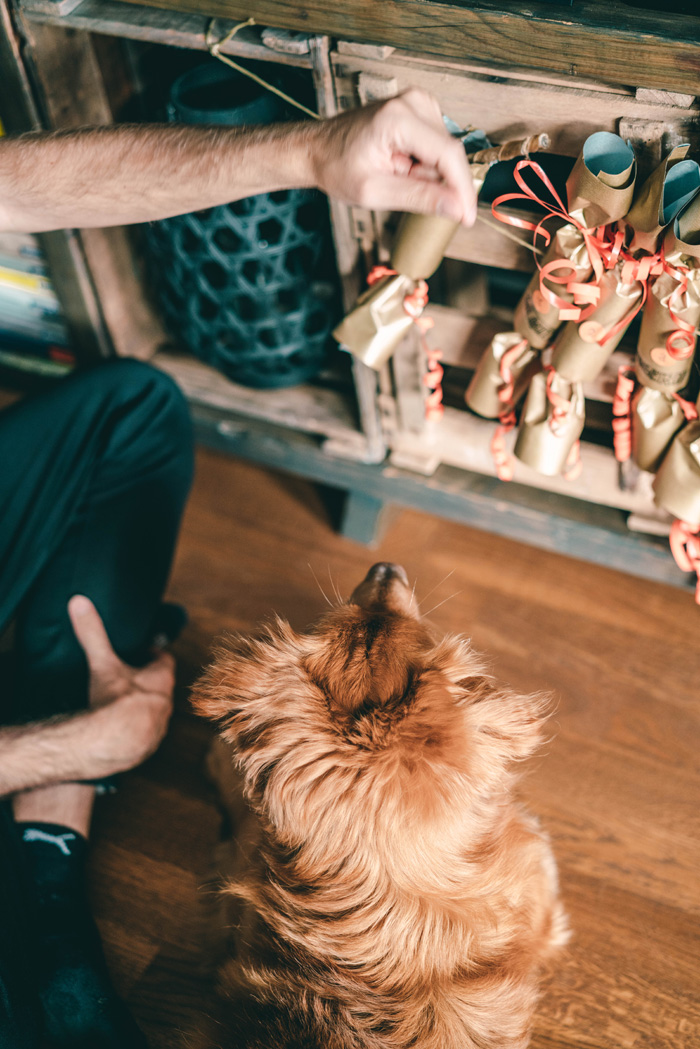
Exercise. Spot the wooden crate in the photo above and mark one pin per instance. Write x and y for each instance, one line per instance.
(508, 105)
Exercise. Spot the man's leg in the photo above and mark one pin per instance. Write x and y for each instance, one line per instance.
(20, 1012)
(98, 476)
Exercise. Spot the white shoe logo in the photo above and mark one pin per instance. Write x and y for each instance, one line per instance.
(53, 839)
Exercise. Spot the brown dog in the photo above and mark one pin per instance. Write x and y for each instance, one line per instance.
(389, 891)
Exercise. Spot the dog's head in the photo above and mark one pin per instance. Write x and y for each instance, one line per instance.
(367, 717)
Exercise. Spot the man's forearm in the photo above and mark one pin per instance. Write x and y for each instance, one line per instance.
(41, 754)
(122, 174)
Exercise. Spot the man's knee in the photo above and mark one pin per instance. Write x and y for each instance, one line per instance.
(150, 415)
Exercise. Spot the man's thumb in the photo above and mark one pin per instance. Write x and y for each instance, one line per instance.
(90, 632)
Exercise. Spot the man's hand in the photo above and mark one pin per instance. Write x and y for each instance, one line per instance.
(130, 707)
(396, 155)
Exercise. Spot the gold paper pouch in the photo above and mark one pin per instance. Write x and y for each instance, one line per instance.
(672, 312)
(579, 355)
(548, 433)
(677, 484)
(379, 320)
(656, 419)
(599, 190)
(666, 192)
(489, 379)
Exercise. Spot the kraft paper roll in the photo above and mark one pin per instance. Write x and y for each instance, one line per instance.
(600, 187)
(655, 366)
(667, 190)
(535, 318)
(482, 392)
(578, 354)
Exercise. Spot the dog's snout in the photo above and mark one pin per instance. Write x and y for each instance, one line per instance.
(385, 570)
(385, 587)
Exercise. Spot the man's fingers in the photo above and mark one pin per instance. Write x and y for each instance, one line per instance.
(435, 151)
(394, 192)
(90, 632)
(158, 675)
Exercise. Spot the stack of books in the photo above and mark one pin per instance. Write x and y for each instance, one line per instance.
(33, 334)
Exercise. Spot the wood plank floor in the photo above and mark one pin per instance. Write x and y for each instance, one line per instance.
(618, 786)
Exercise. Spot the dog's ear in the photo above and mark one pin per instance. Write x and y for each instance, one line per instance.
(247, 674)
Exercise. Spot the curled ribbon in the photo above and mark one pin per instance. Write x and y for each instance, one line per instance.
(640, 270)
(601, 252)
(506, 417)
(680, 344)
(622, 415)
(684, 541)
(414, 303)
(560, 405)
(688, 408)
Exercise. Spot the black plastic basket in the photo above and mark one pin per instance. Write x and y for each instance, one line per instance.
(245, 286)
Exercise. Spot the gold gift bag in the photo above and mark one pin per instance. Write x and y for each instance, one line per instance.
(656, 418)
(599, 191)
(671, 315)
(551, 423)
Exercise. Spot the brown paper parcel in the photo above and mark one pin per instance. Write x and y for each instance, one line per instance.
(482, 392)
(660, 198)
(655, 366)
(538, 444)
(677, 484)
(656, 419)
(599, 190)
(578, 354)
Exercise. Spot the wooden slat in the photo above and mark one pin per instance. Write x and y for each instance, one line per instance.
(508, 106)
(463, 440)
(307, 408)
(177, 29)
(608, 42)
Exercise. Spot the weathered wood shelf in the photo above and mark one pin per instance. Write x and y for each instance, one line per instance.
(155, 26)
(543, 519)
(606, 41)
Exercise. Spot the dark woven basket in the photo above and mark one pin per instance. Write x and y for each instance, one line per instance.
(245, 286)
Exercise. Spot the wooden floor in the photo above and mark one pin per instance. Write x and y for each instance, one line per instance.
(618, 786)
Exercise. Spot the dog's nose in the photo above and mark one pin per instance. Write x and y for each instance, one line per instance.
(385, 570)
(385, 588)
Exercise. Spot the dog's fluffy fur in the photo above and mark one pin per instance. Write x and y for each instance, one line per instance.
(390, 893)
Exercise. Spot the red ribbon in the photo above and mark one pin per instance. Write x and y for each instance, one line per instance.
(680, 344)
(684, 540)
(622, 415)
(506, 417)
(600, 250)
